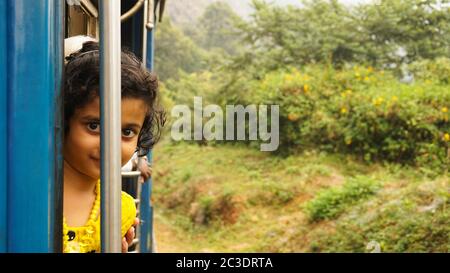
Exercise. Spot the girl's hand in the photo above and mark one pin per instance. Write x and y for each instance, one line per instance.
(146, 170)
(128, 239)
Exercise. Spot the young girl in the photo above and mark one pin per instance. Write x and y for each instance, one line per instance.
(141, 123)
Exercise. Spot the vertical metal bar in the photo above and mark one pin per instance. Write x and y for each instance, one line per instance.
(3, 126)
(150, 40)
(146, 208)
(150, 65)
(57, 44)
(144, 34)
(151, 231)
(145, 236)
(33, 76)
(110, 104)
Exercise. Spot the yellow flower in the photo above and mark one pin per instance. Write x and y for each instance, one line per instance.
(378, 101)
(366, 79)
(370, 69)
(394, 98)
(348, 141)
(444, 109)
(288, 78)
(357, 74)
(293, 117)
(346, 93)
(344, 110)
(446, 137)
(306, 88)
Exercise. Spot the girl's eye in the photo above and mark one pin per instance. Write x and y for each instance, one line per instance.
(94, 127)
(128, 133)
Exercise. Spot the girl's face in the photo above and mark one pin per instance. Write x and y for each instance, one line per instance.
(82, 142)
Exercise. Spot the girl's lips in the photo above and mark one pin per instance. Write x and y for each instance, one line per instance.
(96, 161)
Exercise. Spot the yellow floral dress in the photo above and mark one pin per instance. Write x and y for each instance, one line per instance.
(86, 239)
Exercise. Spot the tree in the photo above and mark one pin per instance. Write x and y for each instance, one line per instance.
(217, 28)
(325, 31)
(397, 31)
(175, 52)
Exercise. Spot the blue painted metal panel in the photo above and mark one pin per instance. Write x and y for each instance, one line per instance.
(57, 14)
(147, 244)
(3, 126)
(151, 49)
(34, 67)
(145, 218)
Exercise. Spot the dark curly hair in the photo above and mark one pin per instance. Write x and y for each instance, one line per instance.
(82, 81)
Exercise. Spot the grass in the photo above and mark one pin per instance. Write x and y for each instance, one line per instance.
(230, 198)
(329, 203)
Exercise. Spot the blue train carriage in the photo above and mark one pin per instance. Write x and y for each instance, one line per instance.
(32, 37)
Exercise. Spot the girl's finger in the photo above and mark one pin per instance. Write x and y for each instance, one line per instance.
(124, 246)
(128, 235)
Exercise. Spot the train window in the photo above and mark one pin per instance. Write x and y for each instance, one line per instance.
(137, 20)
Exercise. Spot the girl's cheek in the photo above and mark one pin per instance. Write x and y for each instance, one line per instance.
(128, 149)
(91, 140)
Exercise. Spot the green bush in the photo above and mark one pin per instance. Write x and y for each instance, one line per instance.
(359, 110)
(208, 209)
(354, 110)
(329, 203)
(432, 70)
(396, 228)
(273, 193)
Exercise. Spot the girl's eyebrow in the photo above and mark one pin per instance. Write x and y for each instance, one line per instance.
(132, 125)
(96, 118)
(91, 118)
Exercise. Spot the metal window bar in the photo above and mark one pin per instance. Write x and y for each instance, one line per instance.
(147, 241)
(131, 185)
(110, 104)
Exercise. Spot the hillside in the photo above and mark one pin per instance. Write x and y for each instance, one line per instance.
(363, 158)
(183, 12)
(241, 200)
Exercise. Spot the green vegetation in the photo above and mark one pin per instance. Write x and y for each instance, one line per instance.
(175, 52)
(217, 29)
(335, 89)
(330, 202)
(364, 150)
(324, 31)
(232, 198)
(361, 111)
